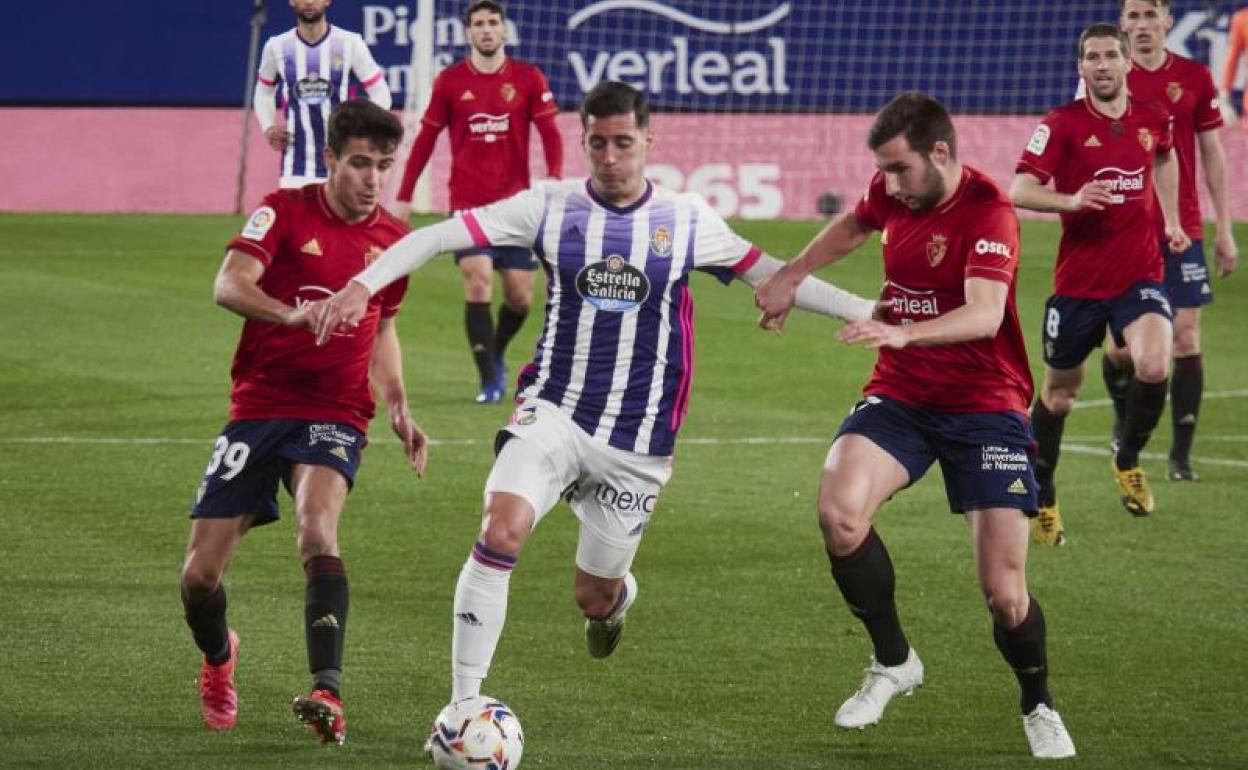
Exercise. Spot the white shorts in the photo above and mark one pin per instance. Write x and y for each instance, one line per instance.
(612, 491)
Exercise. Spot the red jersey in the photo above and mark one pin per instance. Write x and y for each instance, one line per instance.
(1186, 90)
(309, 253)
(489, 115)
(1103, 253)
(927, 258)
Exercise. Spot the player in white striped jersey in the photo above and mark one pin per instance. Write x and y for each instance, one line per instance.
(314, 62)
(600, 406)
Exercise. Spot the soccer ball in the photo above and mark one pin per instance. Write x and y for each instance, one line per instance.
(478, 733)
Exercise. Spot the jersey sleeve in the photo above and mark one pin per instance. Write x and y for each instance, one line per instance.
(391, 297)
(438, 113)
(541, 98)
(1207, 115)
(717, 249)
(870, 209)
(512, 221)
(269, 65)
(1044, 153)
(363, 64)
(262, 235)
(992, 245)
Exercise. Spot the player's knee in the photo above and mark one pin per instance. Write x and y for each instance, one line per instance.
(199, 580)
(1059, 400)
(1008, 603)
(843, 527)
(1152, 369)
(1186, 341)
(316, 540)
(504, 534)
(519, 302)
(597, 599)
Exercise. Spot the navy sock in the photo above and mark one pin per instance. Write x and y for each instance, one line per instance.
(205, 614)
(1145, 402)
(480, 330)
(867, 583)
(1047, 428)
(325, 620)
(1187, 385)
(1023, 647)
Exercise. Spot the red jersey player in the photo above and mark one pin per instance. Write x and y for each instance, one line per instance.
(951, 384)
(298, 412)
(1187, 91)
(1102, 153)
(488, 101)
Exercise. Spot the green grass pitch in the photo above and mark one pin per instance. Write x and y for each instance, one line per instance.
(113, 383)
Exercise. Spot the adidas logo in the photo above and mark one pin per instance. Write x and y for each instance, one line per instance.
(467, 96)
(1017, 488)
(637, 530)
(1092, 141)
(1187, 419)
(469, 619)
(327, 621)
(340, 453)
(311, 248)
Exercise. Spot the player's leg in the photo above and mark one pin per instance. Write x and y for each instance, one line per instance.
(530, 473)
(477, 270)
(210, 548)
(999, 537)
(1117, 371)
(1187, 387)
(1142, 323)
(614, 500)
(516, 267)
(1058, 391)
(238, 491)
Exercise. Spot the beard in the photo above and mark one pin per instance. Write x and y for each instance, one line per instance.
(310, 17)
(933, 190)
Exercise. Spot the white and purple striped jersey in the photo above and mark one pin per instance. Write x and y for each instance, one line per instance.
(616, 353)
(315, 77)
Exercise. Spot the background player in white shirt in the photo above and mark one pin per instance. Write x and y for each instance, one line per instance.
(600, 405)
(314, 62)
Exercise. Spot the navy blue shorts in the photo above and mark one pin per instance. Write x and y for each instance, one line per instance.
(985, 457)
(251, 455)
(1187, 276)
(1073, 327)
(505, 257)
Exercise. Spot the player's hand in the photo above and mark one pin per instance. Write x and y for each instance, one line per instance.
(415, 442)
(1093, 196)
(775, 297)
(873, 335)
(304, 316)
(277, 137)
(881, 310)
(1225, 252)
(343, 310)
(1177, 240)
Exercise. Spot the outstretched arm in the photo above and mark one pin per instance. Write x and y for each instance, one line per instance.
(812, 294)
(1027, 192)
(386, 373)
(776, 295)
(409, 253)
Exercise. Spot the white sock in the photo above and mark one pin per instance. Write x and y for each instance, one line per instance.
(480, 611)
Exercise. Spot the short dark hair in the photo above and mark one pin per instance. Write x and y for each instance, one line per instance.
(920, 118)
(1156, 3)
(611, 97)
(1104, 29)
(362, 119)
(484, 5)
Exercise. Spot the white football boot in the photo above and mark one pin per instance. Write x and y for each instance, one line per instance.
(1047, 735)
(881, 683)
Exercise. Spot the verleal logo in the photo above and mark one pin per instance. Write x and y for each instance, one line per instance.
(713, 72)
(1124, 184)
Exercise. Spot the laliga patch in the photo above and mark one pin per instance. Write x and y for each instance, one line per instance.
(613, 285)
(1039, 140)
(258, 225)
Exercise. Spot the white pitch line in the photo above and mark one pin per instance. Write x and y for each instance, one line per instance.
(1084, 449)
(1200, 438)
(1211, 396)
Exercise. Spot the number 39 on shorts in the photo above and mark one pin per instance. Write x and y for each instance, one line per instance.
(233, 456)
(1052, 320)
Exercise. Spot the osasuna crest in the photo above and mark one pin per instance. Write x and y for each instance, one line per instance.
(661, 241)
(1146, 139)
(508, 92)
(936, 249)
(1174, 91)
